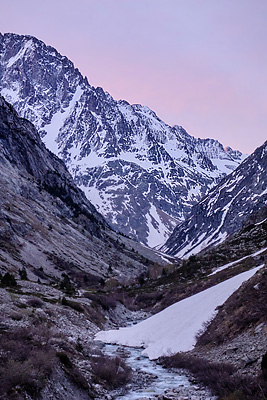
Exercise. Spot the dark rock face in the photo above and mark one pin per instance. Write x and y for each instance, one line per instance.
(22, 147)
(140, 173)
(224, 209)
(47, 222)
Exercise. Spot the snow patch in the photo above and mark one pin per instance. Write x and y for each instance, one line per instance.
(52, 129)
(20, 54)
(174, 329)
(237, 261)
(157, 230)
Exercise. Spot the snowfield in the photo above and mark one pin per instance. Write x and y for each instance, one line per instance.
(174, 329)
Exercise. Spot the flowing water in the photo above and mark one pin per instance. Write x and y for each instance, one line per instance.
(151, 381)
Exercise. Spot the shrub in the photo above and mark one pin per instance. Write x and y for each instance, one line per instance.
(264, 366)
(107, 302)
(64, 359)
(16, 316)
(8, 280)
(221, 378)
(113, 371)
(146, 299)
(79, 346)
(67, 286)
(26, 361)
(23, 274)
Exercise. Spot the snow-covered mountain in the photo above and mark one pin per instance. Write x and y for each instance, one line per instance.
(224, 209)
(140, 173)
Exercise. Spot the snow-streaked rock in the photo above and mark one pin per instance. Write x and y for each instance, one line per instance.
(224, 209)
(140, 173)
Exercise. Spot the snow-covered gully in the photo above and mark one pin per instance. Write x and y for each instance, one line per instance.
(151, 381)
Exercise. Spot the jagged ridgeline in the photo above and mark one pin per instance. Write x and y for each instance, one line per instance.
(140, 173)
(223, 211)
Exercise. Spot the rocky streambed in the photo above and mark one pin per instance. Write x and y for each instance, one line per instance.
(150, 381)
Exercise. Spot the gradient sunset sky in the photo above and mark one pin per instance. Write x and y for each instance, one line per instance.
(201, 64)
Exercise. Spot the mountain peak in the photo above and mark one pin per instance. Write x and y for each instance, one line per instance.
(142, 174)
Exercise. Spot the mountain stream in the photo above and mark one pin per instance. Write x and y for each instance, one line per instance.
(151, 381)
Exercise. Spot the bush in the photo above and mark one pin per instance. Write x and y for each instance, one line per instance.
(113, 371)
(67, 286)
(107, 302)
(221, 378)
(26, 361)
(64, 359)
(264, 366)
(147, 299)
(23, 274)
(8, 280)
(79, 346)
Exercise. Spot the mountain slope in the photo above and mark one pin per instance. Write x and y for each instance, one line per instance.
(224, 209)
(48, 229)
(46, 223)
(140, 173)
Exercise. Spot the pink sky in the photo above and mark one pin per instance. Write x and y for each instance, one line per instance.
(201, 64)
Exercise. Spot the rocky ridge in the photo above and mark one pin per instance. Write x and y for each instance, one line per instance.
(224, 209)
(140, 173)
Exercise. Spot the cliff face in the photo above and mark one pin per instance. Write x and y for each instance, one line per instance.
(140, 173)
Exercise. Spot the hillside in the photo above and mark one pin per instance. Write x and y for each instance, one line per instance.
(65, 274)
(56, 253)
(200, 311)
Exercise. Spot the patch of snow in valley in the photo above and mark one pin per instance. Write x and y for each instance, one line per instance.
(174, 329)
